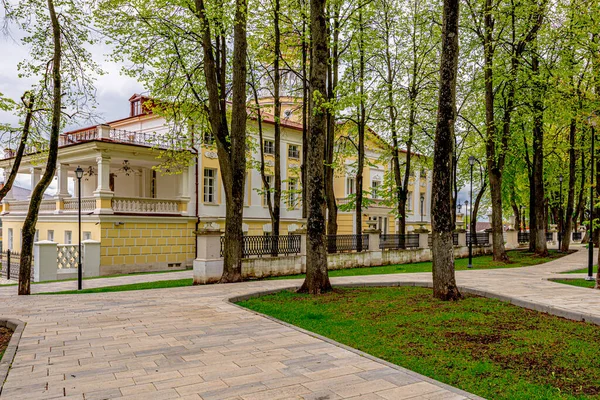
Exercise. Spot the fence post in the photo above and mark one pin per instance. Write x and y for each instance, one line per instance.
(374, 255)
(423, 237)
(44, 261)
(462, 238)
(91, 258)
(208, 266)
(373, 238)
(8, 264)
(302, 233)
(512, 239)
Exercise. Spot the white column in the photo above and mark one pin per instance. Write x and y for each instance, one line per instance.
(103, 188)
(63, 181)
(45, 264)
(34, 174)
(208, 266)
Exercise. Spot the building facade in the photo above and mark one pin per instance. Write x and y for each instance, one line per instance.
(146, 219)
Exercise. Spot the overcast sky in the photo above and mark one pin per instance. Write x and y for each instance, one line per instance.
(113, 88)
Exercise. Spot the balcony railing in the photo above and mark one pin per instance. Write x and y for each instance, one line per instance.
(94, 134)
(124, 205)
(145, 206)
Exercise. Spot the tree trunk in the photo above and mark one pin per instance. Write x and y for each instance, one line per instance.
(37, 193)
(361, 130)
(28, 100)
(317, 278)
(277, 128)
(540, 247)
(568, 218)
(444, 282)
(231, 145)
(305, 101)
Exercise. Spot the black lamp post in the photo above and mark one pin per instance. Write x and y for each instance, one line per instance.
(467, 220)
(79, 175)
(590, 276)
(471, 163)
(522, 226)
(560, 216)
(422, 204)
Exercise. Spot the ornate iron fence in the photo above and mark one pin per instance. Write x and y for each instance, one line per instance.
(454, 239)
(343, 243)
(11, 262)
(523, 237)
(399, 241)
(479, 238)
(577, 236)
(268, 245)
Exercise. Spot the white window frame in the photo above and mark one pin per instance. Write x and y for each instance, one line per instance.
(68, 237)
(50, 235)
(294, 151)
(350, 185)
(11, 238)
(209, 182)
(292, 195)
(270, 149)
(375, 186)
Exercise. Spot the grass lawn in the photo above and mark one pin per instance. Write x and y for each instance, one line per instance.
(484, 346)
(519, 258)
(582, 271)
(576, 282)
(133, 286)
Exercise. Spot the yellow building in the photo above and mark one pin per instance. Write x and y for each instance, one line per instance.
(146, 220)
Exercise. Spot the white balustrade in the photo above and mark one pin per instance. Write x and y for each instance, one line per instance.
(67, 256)
(87, 204)
(145, 205)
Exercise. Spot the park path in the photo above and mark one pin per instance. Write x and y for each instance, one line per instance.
(191, 343)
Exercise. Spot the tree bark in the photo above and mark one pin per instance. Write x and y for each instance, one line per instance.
(277, 128)
(317, 278)
(568, 218)
(305, 101)
(28, 100)
(37, 193)
(539, 239)
(231, 144)
(361, 129)
(444, 282)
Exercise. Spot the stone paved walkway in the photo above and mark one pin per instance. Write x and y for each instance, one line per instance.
(192, 343)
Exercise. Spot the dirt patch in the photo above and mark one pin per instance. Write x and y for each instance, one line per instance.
(475, 338)
(5, 335)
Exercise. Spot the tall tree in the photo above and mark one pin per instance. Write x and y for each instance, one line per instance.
(317, 278)
(444, 281)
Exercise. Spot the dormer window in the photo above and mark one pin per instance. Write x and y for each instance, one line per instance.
(136, 108)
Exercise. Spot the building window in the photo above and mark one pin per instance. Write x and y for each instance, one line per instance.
(350, 186)
(375, 186)
(293, 151)
(136, 108)
(50, 235)
(210, 180)
(409, 202)
(10, 239)
(208, 138)
(293, 193)
(269, 147)
(68, 237)
(266, 193)
(87, 235)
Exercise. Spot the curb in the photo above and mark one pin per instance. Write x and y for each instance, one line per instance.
(9, 354)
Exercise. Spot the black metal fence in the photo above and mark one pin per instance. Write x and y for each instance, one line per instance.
(523, 237)
(399, 241)
(548, 236)
(454, 240)
(268, 245)
(344, 243)
(11, 261)
(479, 238)
(577, 236)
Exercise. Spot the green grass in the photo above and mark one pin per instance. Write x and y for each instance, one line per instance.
(133, 286)
(101, 277)
(581, 271)
(518, 258)
(576, 282)
(484, 346)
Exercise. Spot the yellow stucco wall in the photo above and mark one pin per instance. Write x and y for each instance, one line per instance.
(147, 243)
(43, 227)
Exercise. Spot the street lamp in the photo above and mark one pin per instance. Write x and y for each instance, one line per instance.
(471, 163)
(79, 175)
(467, 213)
(422, 203)
(560, 216)
(590, 276)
